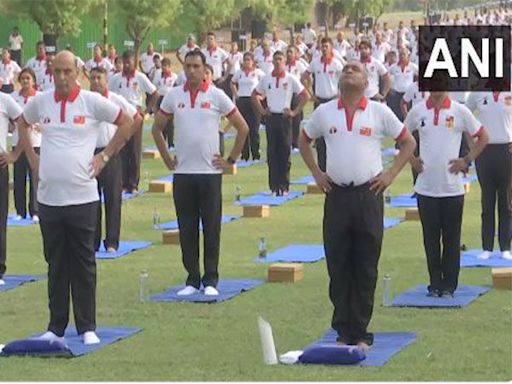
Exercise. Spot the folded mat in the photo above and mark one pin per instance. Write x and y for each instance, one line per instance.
(417, 297)
(13, 281)
(174, 224)
(12, 222)
(125, 247)
(73, 346)
(390, 222)
(265, 198)
(470, 259)
(228, 288)
(294, 253)
(385, 345)
(404, 201)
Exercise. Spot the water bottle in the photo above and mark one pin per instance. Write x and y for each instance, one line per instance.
(387, 196)
(387, 296)
(238, 192)
(262, 248)
(143, 285)
(156, 218)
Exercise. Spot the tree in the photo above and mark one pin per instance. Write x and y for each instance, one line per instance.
(143, 15)
(354, 9)
(54, 17)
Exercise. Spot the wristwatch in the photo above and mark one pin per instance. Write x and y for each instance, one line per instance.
(230, 160)
(105, 157)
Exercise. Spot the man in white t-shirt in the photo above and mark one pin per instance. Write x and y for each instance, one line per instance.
(97, 61)
(186, 48)
(16, 45)
(10, 111)
(9, 71)
(218, 58)
(379, 81)
(403, 73)
(309, 35)
(146, 59)
(196, 108)
(38, 62)
(67, 193)
(296, 67)
(439, 187)
(164, 81)
(110, 180)
(354, 180)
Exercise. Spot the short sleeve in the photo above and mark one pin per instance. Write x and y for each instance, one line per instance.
(103, 109)
(16, 67)
(224, 103)
(235, 77)
(129, 109)
(471, 102)
(224, 55)
(260, 88)
(108, 65)
(31, 110)
(88, 65)
(167, 105)
(471, 124)
(381, 69)
(392, 127)
(146, 85)
(313, 127)
(411, 121)
(297, 86)
(11, 107)
(409, 93)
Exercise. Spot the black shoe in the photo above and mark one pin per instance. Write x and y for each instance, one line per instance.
(446, 293)
(256, 158)
(434, 293)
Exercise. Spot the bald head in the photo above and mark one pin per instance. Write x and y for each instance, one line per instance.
(65, 72)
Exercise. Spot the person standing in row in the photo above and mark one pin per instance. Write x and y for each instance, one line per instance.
(46, 79)
(354, 180)
(68, 199)
(196, 108)
(16, 45)
(132, 84)
(164, 81)
(277, 89)
(243, 83)
(494, 168)
(326, 70)
(441, 123)
(146, 62)
(97, 61)
(218, 58)
(110, 180)
(379, 81)
(9, 113)
(38, 62)
(403, 73)
(27, 80)
(9, 70)
(186, 48)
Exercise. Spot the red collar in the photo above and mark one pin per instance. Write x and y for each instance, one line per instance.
(166, 74)
(446, 103)
(293, 62)
(31, 92)
(203, 87)
(150, 52)
(326, 59)
(113, 58)
(129, 74)
(403, 65)
(71, 97)
(248, 71)
(367, 60)
(362, 104)
(41, 58)
(98, 59)
(105, 93)
(279, 75)
(6, 62)
(214, 48)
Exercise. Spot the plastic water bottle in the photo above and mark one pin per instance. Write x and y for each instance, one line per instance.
(143, 285)
(156, 218)
(262, 248)
(238, 193)
(387, 295)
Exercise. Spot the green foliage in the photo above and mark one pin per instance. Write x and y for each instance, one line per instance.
(285, 12)
(57, 17)
(203, 16)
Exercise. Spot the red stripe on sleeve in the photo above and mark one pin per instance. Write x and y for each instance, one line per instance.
(307, 136)
(402, 134)
(165, 112)
(479, 132)
(116, 121)
(232, 112)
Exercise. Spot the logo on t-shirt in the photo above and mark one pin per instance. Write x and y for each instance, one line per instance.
(366, 131)
(46, 120)
(450, 122)
(205, 105)
(181, 105)
(79, 120)
(333, 130)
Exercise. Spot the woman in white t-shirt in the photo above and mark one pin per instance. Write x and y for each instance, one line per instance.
(27, 80)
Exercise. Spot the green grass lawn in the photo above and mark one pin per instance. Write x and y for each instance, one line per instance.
(220, 341)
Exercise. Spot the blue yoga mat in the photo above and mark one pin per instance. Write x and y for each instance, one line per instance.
(304, 180)
(125, 247)
(228, 288)
(126, 195)
(174, 224)
(295, 253)
(470, 259)
(18, 223)
(403, 201)
(13, 281)
(417, 297)
(265, 198)
(390, 222)
(385, 345)
(469, 178)
(387, 152)
(248, 163)
(169, 178)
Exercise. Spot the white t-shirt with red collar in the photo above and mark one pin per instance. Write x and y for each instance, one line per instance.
(353, 142)
(185, 48)
(216, 58)
(278, 45)
(108, 130)
(403, 76)
(146, 61)
(413, 94)
(374, 69)
(35, 134)
(131, 86)
(297, 68)
(265, 62)
(247, 81)
(278, 90)
(38, 65)
(98, 62)
(495, 113)
(196, 117)
(8, 71)
(327, 74)
(236, 59)
(440, 132)
(47, 82)
(164, 81)
(379, 51)
(9, 111)
(69, 133)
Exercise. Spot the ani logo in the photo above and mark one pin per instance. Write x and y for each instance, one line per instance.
(333, 130)
(181, 105)
(46, 120)
(508, 101)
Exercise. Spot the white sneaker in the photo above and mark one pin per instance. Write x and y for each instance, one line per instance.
(90, 338)
(211, 291)
(35, 219)
(50, 336)
(506, 255)
(18, 218)
(2, 282)
(187, 291)
(485, 255)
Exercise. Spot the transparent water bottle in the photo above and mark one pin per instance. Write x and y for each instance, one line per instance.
(387, 294)
(238, 193)
(156, 218)
(143, 285)
(262, 248)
